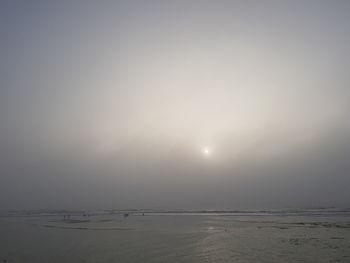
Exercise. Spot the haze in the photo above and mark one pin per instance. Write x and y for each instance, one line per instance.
(114, 104)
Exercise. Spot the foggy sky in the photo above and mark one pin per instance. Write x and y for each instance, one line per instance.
(108, 104)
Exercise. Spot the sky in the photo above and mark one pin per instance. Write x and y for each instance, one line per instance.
(174, 104)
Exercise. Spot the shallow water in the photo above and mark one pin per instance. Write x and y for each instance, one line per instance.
(176, 237)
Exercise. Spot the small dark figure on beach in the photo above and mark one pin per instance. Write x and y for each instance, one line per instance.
(66, 216)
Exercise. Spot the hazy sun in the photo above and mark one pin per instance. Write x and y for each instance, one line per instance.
(206, 151)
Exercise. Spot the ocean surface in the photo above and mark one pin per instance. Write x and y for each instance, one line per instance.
(314, 235)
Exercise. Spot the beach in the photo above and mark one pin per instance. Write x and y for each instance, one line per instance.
(176, 237)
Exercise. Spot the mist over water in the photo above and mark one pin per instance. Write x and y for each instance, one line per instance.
(110, 104)
(174, 131)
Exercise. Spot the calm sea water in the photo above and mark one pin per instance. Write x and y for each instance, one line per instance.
(309, 236)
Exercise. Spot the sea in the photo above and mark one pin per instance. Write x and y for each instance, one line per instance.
(154, 235)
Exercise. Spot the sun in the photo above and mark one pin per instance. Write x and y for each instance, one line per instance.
(206, 151)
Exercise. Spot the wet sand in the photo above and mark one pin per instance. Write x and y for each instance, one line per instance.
(175, 238)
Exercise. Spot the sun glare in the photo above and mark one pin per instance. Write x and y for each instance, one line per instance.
(206, 151)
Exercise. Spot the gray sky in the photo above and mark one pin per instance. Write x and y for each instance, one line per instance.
(112, 104)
